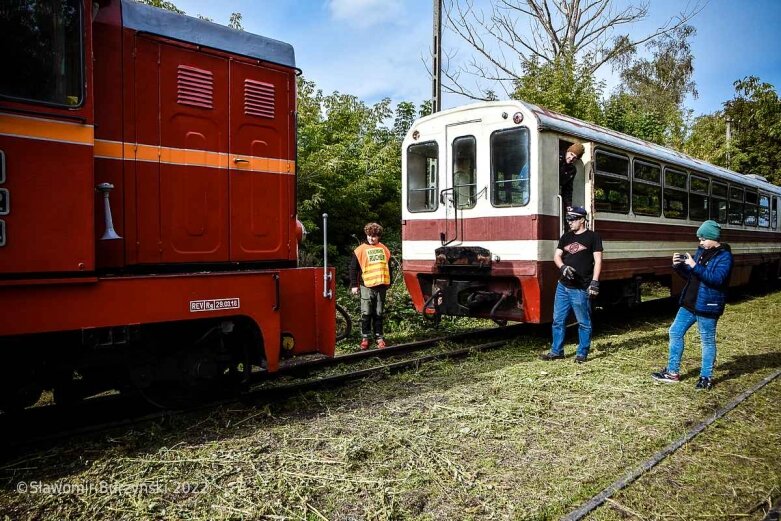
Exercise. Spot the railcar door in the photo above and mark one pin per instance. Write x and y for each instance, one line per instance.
(461, 190)
(262, 167)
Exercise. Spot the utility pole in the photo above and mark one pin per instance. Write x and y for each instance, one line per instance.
(436, 65)
(729, 142)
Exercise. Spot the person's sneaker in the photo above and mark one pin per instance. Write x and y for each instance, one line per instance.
(381, 343)
(704, 384)
(666, 376)
(550, 356)
(364, 344)
(580, 359)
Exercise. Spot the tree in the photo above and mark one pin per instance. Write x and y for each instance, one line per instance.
(649, 103)
(519, 34)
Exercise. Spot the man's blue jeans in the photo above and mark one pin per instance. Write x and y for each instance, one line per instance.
(707, 328)
(576, 300)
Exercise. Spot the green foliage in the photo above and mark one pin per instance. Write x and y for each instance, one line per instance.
(562, 85)
(755, 115)
(349, 166)
(162, 4)
(649, 102)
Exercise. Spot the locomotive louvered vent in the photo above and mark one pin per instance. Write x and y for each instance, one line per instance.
(195, 87)
(258, 99)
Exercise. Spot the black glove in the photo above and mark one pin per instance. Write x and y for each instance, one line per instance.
(567, 272)
(593, 288)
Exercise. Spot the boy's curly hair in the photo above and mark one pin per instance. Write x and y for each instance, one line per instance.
(373, 229)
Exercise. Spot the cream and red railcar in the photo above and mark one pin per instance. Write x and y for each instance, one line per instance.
(148, 230)
(481, 212)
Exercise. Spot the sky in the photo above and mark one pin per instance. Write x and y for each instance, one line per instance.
(375, 49)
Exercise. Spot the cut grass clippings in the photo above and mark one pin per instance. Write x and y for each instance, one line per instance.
(500, 435)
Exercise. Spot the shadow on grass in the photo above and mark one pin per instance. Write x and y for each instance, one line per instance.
(742, 365)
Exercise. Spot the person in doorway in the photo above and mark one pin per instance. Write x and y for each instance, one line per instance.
(370, 274)
(567, 172)
(702, 301)
(579, 259)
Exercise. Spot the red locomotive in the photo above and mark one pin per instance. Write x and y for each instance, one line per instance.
(148, 231)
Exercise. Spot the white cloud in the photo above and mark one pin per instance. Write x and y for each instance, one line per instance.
(365, 13)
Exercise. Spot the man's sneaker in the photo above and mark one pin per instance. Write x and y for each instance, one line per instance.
(381, 343)
(704, 384)
(580, 359)
(550, 356)
(666, 376)
(364, 344)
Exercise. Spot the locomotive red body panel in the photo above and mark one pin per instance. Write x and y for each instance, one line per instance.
(148, 201)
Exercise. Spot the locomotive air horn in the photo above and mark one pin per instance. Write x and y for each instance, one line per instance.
(109, 234)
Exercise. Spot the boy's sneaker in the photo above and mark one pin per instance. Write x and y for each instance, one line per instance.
(704, 384)
(550, 356)
(580, 359)
(364, 344)
(381, 343)
(666, 376)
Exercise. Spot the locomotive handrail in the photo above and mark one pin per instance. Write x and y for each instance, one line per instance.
(326, 276)
(454, 204)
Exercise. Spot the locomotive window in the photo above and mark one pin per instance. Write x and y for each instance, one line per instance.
(41, 51)
(647, 189)
(735, 208)
(510, 167)
(764, 211)
(718, 209)
(750, 209)
(611, 183)
(676, 199)
(464, 177)
(422, 176)
(698, 198)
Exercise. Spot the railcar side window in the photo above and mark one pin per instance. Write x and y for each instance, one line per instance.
(676, 199)
(464, 176)
(698, 198)
(735, 208)
(422, 176)
(647, 189)
(510, 167)
(750, 209)
(41, 51)
(611, 183)
(764, 211)
(774, 213)
(718, 208)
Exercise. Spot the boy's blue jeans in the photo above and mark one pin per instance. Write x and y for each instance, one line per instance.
(707, 328)
(577, 300)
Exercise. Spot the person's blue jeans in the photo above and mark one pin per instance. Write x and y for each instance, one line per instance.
(707, 328)
(576, 300)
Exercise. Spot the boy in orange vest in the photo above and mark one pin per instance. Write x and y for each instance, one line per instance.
(370, 271)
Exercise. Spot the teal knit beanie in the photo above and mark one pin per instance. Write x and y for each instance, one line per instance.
(709, 230)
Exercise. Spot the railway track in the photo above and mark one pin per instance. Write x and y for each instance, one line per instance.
(44, 425)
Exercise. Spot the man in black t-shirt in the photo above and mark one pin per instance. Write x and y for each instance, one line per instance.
(579, 258)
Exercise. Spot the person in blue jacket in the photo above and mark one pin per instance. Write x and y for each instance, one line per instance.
(702, 300)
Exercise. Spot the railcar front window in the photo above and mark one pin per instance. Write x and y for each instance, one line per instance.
(422, 177)
(464, 172)
(647, 189)
(675, 197)
(611, 184)
(510, 167)
(41, 51)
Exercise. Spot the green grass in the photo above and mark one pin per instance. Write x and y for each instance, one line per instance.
(501, 435)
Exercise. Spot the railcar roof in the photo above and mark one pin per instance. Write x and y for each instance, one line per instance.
(549, 120)
(144, 18)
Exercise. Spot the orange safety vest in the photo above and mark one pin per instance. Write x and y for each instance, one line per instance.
(374, 264)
